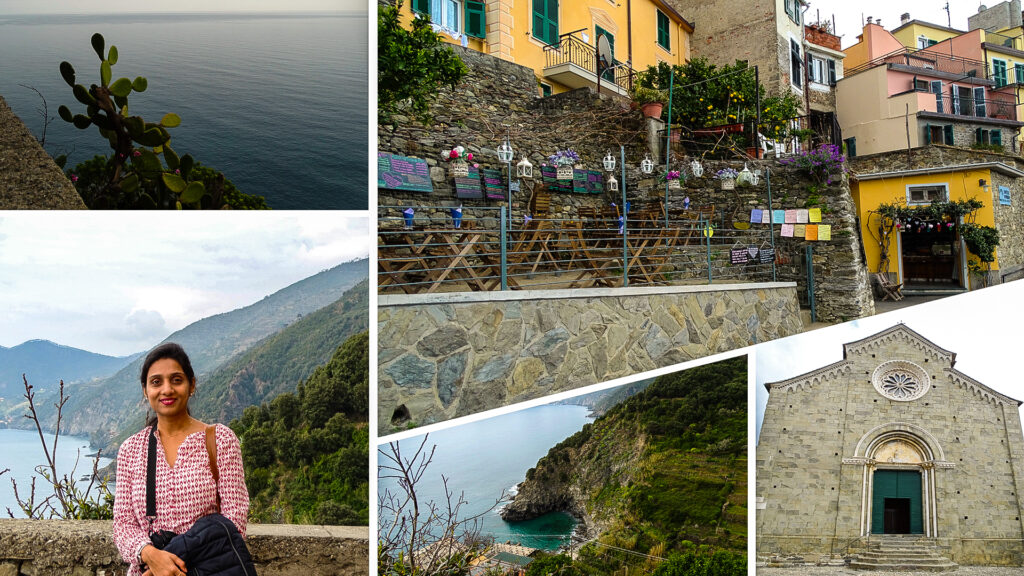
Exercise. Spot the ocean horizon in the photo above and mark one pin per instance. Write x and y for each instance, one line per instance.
(276, 101)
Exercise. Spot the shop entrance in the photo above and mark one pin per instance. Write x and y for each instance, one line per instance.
(931, 256)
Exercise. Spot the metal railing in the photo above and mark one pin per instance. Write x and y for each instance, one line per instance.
(928, 60)
(573, 50)
(999, 105)
(427, 253)
(1002, 40)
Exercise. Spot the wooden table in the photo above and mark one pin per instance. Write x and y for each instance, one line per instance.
(423, 260)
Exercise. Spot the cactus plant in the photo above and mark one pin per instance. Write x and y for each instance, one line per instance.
(143, 171)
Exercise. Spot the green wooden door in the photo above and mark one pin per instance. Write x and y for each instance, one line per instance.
(598, 32)
(902, 489)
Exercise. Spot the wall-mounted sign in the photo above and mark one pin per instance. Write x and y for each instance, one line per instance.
(494, 185)
(469, 187)
(403, 173)
(1004, 195)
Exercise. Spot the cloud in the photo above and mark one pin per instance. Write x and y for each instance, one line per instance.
(145, 325)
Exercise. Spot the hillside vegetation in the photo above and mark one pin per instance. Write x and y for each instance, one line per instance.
(664, 473)
(306, 453)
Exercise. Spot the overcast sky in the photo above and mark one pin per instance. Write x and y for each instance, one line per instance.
(982, 327)
(117, 283)
(850, 16)
(121, 6)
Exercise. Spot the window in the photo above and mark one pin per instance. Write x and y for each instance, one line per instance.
(545, 89)
(924, 42)
(545, 21)
(793, 10)
(938, 134)
(795, 60)
(663, 31)
(979, 102)
(927, 194)
(988, 137)
(476, 19)
(936, 88)
(851, 146)
(821, 70)
(446, 13)
(999, 72)
(1018, 73)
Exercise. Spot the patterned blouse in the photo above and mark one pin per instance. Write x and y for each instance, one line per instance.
(184, 493)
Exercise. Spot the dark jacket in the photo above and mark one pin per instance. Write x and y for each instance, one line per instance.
(212, 547)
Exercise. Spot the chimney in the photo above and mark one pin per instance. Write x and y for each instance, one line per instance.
(879, 21)
(870, 18)
(905, 18)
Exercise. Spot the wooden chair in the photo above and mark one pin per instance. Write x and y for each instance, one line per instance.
(888, 289)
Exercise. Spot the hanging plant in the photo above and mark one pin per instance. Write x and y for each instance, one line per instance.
(981, 241)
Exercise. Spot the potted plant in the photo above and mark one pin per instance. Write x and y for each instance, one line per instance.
(728, 178)
(650, 100)
(563, 161)
(674, 179)
(459, 158)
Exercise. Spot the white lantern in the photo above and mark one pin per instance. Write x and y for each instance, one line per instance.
(613, 184)
(524, 169)
(696, 168)
(647, 165)
(745, 176)
(505, 152)
(609, 162)
(755, 177)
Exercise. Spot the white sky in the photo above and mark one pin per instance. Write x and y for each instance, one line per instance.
(981, 327)
(850, 16)
(118, 282)
(121, 6)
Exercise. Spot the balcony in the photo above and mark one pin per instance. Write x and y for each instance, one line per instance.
(1013, 42)
(997, 106)
(573, 63)
(935, 62)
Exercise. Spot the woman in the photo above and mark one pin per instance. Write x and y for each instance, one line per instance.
(185, 487)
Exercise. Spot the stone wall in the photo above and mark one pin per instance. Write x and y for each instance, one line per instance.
(815, 459)
(1009, 219)
(86, 548)
(29, 179)
(448, 355)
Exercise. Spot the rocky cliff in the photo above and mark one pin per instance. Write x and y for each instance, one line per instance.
(665, 466)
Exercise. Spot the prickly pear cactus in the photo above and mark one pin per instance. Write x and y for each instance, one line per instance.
(144, 171)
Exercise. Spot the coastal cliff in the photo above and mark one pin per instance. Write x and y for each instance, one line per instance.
(661, 468)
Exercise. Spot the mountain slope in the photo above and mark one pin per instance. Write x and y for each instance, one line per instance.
(665, 467)
(104, 408)
(45, 363)
(278, 363)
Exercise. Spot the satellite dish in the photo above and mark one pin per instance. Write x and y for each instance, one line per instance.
(604, 53)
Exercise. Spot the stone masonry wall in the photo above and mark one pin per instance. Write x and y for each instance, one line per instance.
(449, 355)
(29, 179)
(86, 548)
(1009, 219)
(498, 93)
(811, 459)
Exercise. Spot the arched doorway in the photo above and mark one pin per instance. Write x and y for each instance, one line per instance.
(896, 502)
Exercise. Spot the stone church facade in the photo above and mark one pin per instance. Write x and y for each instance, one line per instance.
(891, 440)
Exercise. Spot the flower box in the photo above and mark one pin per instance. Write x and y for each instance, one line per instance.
(728, 183)
(458, 169)
(674, 184)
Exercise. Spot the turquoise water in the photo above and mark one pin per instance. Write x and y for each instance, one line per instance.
(483, 459)
(21, 451)
(276, 102)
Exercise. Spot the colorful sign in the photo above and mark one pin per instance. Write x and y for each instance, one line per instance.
(403, 173)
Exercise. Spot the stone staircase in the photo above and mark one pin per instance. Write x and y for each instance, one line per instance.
(899, 552)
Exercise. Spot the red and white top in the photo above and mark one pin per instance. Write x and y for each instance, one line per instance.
(184, 493)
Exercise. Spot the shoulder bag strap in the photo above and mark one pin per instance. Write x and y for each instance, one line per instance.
(151, 478)
(211, 450)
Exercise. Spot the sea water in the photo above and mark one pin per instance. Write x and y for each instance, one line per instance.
(278, 103)
(485, 459)
(21, 452)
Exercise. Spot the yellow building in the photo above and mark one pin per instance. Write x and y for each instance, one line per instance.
(558, 39)
(928, 253)
(918, 34)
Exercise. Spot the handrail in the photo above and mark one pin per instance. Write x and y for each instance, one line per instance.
(939, 62)
(572, 49)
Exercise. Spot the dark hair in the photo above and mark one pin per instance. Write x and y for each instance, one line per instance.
(167, 350)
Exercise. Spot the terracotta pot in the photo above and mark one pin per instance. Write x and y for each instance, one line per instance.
(652, 109)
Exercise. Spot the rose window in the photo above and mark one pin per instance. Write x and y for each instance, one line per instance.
(900, 380)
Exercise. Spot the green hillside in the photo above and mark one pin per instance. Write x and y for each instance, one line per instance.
(663, 473)
(306, 453)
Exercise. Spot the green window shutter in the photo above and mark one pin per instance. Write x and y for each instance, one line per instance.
(927, 133)
(476, 19)
(999, 72)
(831, 72)
(421, 6)
(1018, 74)
(997, 137)
(947, 131)
(664, 38)
(977, 136)
(545, 20)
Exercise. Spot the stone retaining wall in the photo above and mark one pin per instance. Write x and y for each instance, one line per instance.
(29, 179)
(86, 548)
(448, 355)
